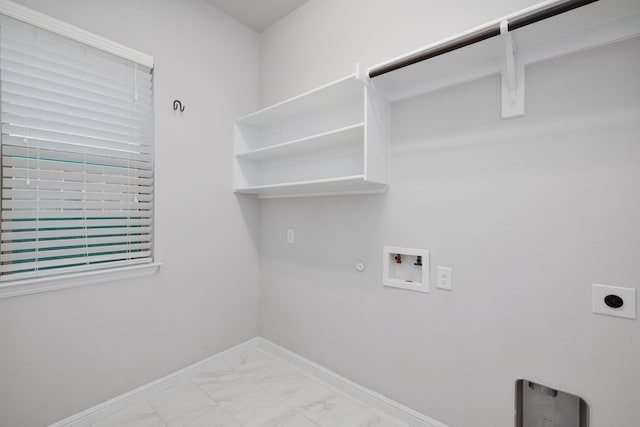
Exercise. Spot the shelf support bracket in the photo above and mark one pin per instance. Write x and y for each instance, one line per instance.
(512, 77)
(361, 74)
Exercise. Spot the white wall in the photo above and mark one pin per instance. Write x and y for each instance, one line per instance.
(62, 352)
(528, 212)
(322, 40)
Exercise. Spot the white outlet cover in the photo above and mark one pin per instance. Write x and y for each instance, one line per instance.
(628, 295)
(444, 278)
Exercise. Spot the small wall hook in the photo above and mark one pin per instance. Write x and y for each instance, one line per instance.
(177, 104)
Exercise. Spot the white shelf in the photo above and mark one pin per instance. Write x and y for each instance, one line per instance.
(322, 187)
(324, 141)
(593, 25)
(343, 90)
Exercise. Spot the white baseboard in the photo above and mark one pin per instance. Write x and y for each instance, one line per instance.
(95, 413)
(376, 400)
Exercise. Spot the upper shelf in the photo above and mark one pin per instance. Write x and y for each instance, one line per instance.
(335, 93)
(591, 25)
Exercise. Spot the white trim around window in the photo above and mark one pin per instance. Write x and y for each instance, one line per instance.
(107, 148)
(54, 283)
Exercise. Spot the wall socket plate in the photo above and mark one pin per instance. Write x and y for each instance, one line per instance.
(614, 301)
(444, 278)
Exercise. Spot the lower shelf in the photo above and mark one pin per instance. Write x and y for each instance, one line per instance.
(323, 187)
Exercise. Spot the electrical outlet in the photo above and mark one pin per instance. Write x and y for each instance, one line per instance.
(444, 278)
(614, 301)
(291, 235)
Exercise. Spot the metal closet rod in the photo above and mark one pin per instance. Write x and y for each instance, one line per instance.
(493, 30)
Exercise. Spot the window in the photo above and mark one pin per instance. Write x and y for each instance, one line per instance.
(77, 155)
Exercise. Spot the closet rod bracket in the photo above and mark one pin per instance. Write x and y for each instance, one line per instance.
(512, 76)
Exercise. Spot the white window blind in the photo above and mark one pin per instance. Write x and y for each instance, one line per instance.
(77, 156)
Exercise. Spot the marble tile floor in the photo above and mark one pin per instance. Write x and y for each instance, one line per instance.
(256, 389)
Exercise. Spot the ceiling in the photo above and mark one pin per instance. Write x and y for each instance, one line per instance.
(257, 14)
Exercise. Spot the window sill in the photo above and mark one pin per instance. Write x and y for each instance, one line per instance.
(46, 284)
